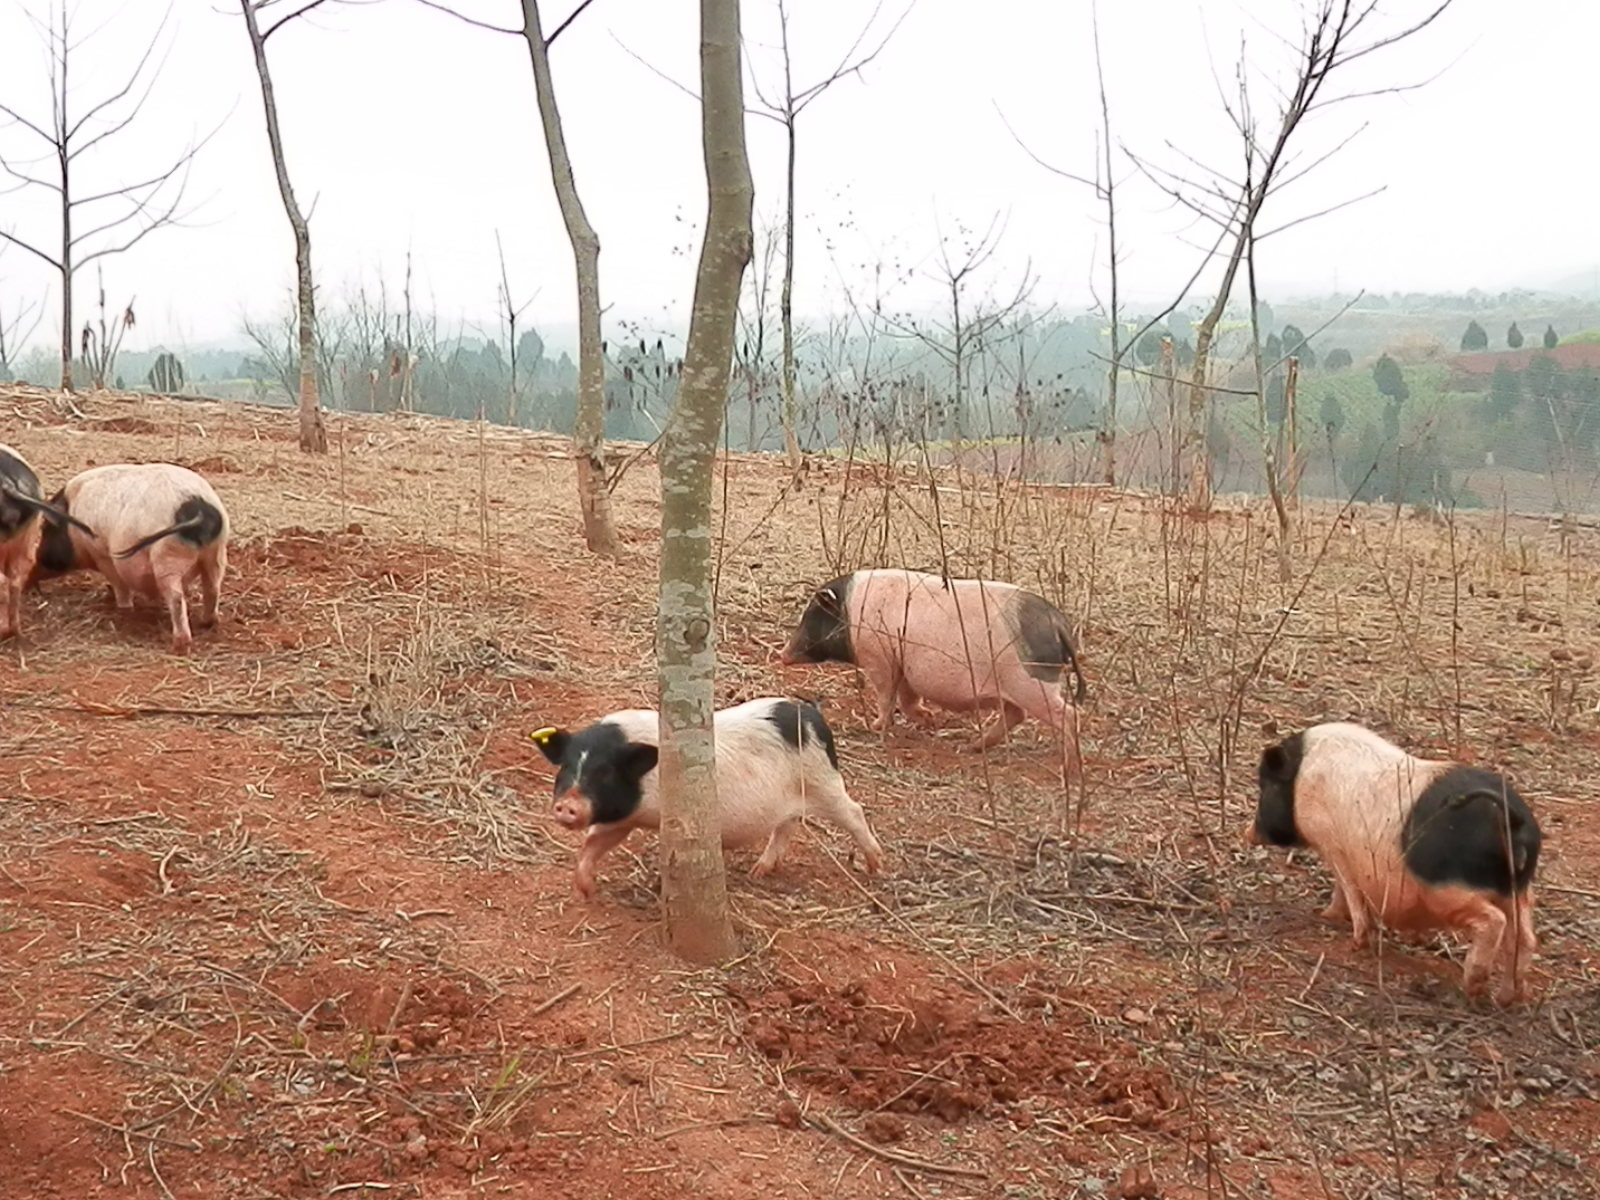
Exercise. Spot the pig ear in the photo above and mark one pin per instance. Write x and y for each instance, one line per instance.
(828, 599)
(638, 760)
(552, 741)
(1273, 761)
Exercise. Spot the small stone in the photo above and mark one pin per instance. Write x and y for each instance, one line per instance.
(1136, 1016)
(788, 1114)
(417, 1148)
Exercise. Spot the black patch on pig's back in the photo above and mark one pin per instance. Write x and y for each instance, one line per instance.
(823, 634)
(19, 477)
(797, 721)
(1276, 776)
(202, 521)
(603, 765)
(1456, 833)
(1040, 630)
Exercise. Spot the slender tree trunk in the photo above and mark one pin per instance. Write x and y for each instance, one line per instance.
(66, 283)
(791, 441)
(588, 429)
(694, 886)
(64, 162)
(313, 434)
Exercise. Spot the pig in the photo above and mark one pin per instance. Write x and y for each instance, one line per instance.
(160, 525)
(23, 514)
(776, 764)
(1414, 844)
(965, 645)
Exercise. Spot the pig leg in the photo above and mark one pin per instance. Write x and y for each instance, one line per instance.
(1487, 925)
(1360, 914)
(1339, 908)
(169, 586)
(1516, 950)
(1045, 703)
(777, 847)
(885, 687)
(601, 840)
(212, 569)
(13, 616)
(911, 704)
(1010, 717)
(834, 803)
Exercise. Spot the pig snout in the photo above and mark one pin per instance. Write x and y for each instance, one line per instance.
(572, 810)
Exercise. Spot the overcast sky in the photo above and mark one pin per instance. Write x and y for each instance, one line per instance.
(411, 130)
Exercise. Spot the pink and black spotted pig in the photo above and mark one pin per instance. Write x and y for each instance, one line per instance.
(1413, 844)
(23, 516)
(776, 766)
(962, 644)
(161, 527)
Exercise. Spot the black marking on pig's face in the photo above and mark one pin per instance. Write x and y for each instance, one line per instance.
(1276, 775)
(602, 765)
(1457, 833)
(823, 634)
(797, 721)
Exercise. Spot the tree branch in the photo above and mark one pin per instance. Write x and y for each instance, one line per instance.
(473, 21)
(561, 28)
(16, 241)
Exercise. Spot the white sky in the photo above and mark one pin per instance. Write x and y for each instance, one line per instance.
(413, 130)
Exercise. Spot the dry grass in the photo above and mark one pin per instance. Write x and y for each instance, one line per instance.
(393, 632)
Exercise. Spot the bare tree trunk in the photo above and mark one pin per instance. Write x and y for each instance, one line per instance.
(694, 886)
(313, 435)
(66, 278)
(791, 441)
(588, 429)
(64, 162)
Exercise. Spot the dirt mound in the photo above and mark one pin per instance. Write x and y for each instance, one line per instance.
(880, 1047)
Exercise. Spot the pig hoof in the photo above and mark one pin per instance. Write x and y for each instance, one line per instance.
(762, 869)
(183, 646)
(874, 863)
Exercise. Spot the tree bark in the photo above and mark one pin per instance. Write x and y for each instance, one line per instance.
(694, 886)
(64, 161)
(588, 428)
(313, 434)
(791, 440)
(66, 267)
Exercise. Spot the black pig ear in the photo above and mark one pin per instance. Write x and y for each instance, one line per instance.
(553, 742)
(828, 599)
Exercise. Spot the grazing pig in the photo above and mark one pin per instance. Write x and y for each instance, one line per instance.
(1413, 843)
(966, 645)
(21, 507)
(160, 527)
(776, 764)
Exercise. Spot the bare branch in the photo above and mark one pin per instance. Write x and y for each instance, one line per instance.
(285, 19)
(1399, 36)
(846, 67)
(70, 135)
(1322, 212)
(473, 21)
(16, 241)
(561, 28)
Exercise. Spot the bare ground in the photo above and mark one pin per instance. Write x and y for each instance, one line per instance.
(287, 918)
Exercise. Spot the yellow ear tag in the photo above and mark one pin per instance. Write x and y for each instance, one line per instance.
(543, 735)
